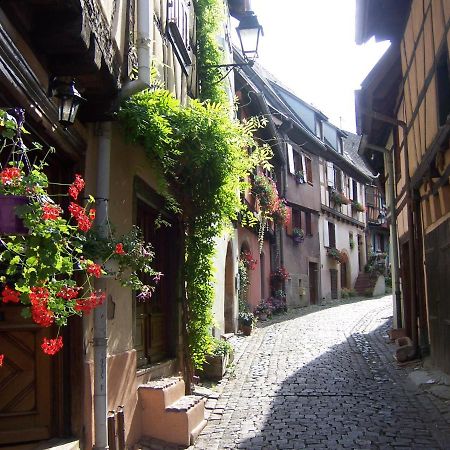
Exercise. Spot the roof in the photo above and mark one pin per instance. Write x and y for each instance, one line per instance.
(351, 146)
(281, 99)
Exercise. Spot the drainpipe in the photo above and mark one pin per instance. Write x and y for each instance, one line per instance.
(100, 313)
(393, 232)
(143, 44)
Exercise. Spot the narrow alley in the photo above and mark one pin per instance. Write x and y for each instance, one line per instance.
(324, 378)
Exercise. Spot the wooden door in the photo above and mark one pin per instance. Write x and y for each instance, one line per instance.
(26, 382)
(344, 275)
(334, 284)
(153, 317)
(313, 283)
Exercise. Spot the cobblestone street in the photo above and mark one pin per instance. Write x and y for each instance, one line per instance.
(324, 378)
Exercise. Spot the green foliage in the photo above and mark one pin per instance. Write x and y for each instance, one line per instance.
(220, 347)
(210, 15)
(204, 159)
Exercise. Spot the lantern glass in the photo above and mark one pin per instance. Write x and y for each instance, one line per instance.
(249, 32)
(69, 101)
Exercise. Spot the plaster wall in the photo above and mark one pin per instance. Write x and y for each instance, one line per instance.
(342, 244)
(296, 260)
(259, 277)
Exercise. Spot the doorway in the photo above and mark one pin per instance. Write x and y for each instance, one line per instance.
(313, 283)
(154, 333)
(344, 283)
(334, 284)
(229, 303)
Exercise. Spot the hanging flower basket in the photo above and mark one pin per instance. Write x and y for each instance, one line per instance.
(338, 198)
(336, 254)
(358, 207)
(299, 177)
(298, 235)
(10, 221)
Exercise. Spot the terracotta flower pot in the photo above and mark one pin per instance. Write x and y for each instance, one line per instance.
(10, 223)
(247, 330)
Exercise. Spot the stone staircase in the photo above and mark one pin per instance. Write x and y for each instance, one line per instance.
(169, 415)
(365, 282)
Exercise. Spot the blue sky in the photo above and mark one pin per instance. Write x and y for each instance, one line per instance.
(309, 45)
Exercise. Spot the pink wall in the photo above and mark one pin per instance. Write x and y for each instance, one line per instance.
(257, 290)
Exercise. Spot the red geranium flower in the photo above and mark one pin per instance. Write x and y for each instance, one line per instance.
(39, 311)
(119, 249)
(88, 304)
(50, 212)
(8, 175)
(68, 293)
(52, 346)
(78, 212)
(10, 295)
(1, 360)
(92, 214)
(94, 269)
(76, 187)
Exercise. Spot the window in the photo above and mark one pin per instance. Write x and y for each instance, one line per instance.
(298, 164)
(338, 179)
(329, 234)
(355, 190)
(332, 234)
(443, 86)
(296, 218)
(340, 145)
(319, 132)
(308, 169)
(308, 228)
(178, 29)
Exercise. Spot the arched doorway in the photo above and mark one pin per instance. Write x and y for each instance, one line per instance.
(229, 292)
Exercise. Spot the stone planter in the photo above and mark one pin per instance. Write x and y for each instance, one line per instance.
(215, 367)
(10, 223)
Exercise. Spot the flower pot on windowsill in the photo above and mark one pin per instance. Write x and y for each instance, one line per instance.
(10, 222)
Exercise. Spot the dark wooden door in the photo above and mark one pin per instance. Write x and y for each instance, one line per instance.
(153, 316)
(344, 275)
(437, 257)
(334, 283)
(26, 382)
(313, 283)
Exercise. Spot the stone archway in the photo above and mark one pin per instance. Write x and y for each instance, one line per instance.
(229, 302)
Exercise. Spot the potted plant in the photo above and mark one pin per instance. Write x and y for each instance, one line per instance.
(248, 260)
(217, 360)
(280, 212)
(263, 310)
(357, 206)
(335, 254)
(278, 302)
(279, 275)
(298, 235)
(338, 198)
(299, 177)
(37, 269)
(246, 322)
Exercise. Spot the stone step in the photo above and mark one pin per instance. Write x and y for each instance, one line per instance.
(162, 393)
(168, 416)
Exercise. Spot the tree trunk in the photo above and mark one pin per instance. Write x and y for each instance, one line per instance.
(188, 372)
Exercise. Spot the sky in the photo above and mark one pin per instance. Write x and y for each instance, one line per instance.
(309, 45)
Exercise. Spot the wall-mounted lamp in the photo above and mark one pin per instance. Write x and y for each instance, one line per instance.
(69, 99)
(249, 31)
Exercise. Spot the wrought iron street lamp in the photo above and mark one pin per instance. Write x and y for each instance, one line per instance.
(69, 100)
(249, 31)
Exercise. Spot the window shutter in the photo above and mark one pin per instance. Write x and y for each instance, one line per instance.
(330, 174)
(290, 153)
(326, 237)
(350, 188)
(289, 223)
(304, 166)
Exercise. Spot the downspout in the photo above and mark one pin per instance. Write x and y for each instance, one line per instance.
(144, 16)
(100, 313)
(143, 44)
(393, 232)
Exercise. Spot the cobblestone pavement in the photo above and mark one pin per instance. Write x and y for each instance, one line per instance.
(324, 378)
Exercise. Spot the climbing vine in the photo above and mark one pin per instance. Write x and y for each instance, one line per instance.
(205, 161)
